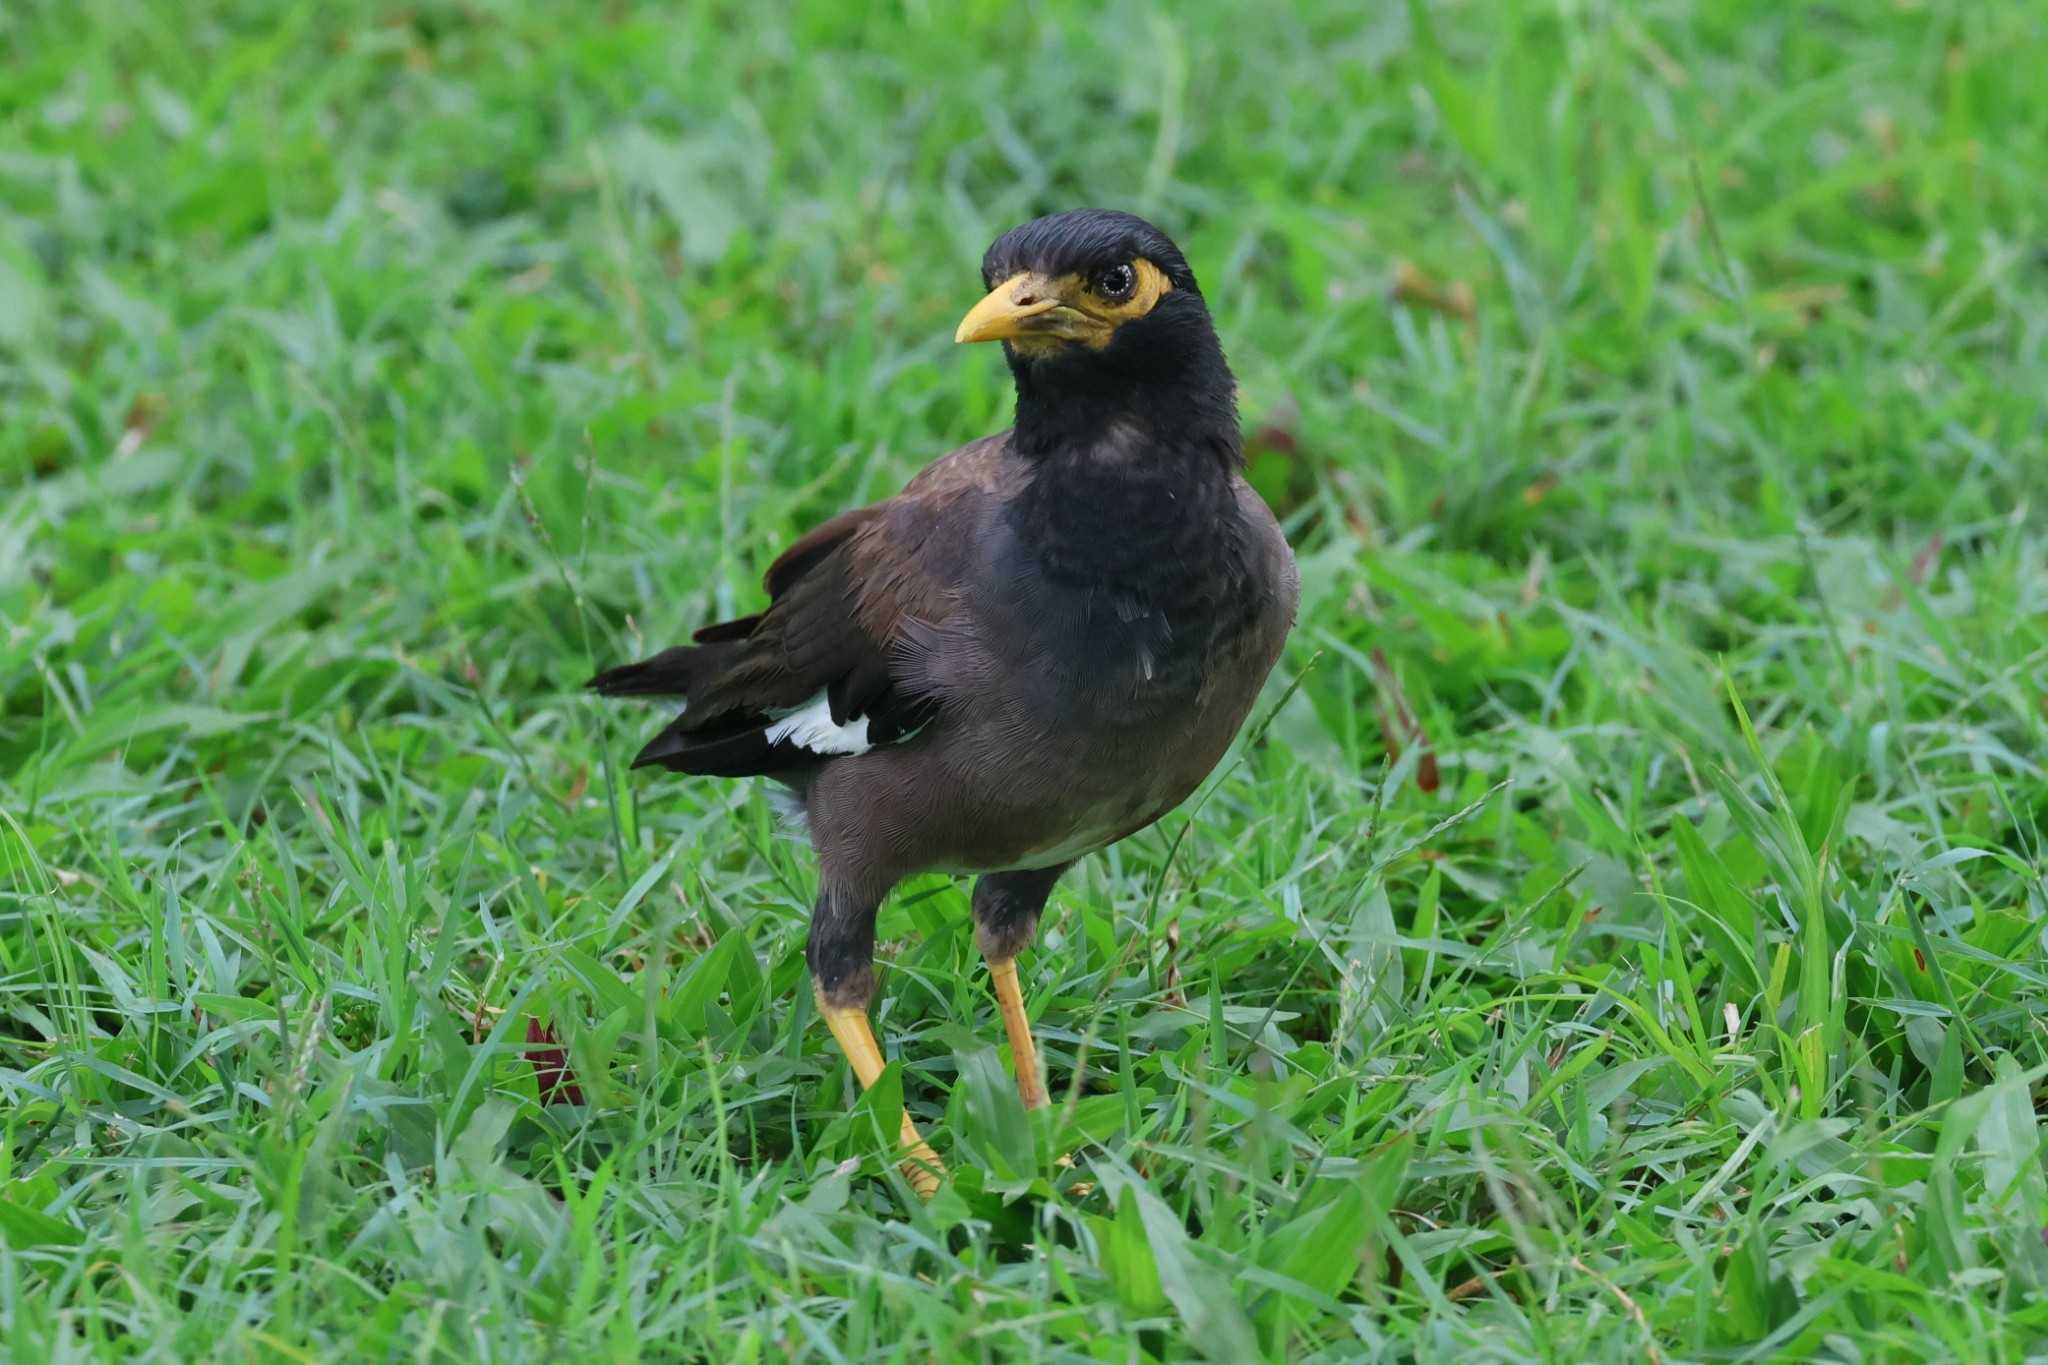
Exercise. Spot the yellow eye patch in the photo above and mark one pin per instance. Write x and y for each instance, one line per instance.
(1152, 286)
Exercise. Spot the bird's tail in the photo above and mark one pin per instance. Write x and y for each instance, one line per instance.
(671, 673)
(721, 732)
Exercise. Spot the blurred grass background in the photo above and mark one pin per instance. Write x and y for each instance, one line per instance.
(1625, 942)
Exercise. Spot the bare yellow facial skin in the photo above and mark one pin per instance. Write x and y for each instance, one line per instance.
(1038, 313)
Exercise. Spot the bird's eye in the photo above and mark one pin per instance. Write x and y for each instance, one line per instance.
(1114, 284)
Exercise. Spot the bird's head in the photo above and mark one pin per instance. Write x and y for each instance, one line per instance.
(1088, 287)
(1097, 307)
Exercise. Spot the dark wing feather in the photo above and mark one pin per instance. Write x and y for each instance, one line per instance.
(842, 599)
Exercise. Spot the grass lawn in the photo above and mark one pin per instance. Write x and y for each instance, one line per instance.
(1621, 938)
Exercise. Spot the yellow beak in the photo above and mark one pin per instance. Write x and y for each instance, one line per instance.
(1007, 312)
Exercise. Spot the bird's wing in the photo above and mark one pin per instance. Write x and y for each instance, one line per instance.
(818, 672)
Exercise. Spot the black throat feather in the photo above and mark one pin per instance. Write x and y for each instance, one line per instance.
(1132, 504)
(1134, 451)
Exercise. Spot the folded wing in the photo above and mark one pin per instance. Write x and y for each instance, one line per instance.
(818, 673)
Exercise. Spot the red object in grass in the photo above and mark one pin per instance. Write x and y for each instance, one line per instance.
(551, 1071)
(1411, 729)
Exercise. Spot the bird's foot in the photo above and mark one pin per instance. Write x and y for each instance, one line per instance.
(849, 1025)
(921, 1166)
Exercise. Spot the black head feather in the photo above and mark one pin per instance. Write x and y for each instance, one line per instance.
(1081, 241)
(1163, 373)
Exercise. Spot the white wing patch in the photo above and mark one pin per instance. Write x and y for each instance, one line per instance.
(810, 726)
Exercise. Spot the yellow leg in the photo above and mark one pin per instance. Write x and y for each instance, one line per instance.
(850, 1026)
(1023, 1051)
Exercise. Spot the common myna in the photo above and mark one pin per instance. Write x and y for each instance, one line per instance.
(1041, 645)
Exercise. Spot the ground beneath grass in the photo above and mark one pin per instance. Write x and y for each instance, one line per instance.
(1622, 938)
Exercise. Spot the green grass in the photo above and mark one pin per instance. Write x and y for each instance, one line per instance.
(1660, 390)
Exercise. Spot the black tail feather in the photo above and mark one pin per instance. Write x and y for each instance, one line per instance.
(727, 630)
(728, 706)
(728, 753)
(670, 673)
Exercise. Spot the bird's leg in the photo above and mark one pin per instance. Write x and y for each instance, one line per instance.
(1023, 1049)
(841, 950)
(1006, 910)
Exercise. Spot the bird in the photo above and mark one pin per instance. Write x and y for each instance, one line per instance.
(1040, 646)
